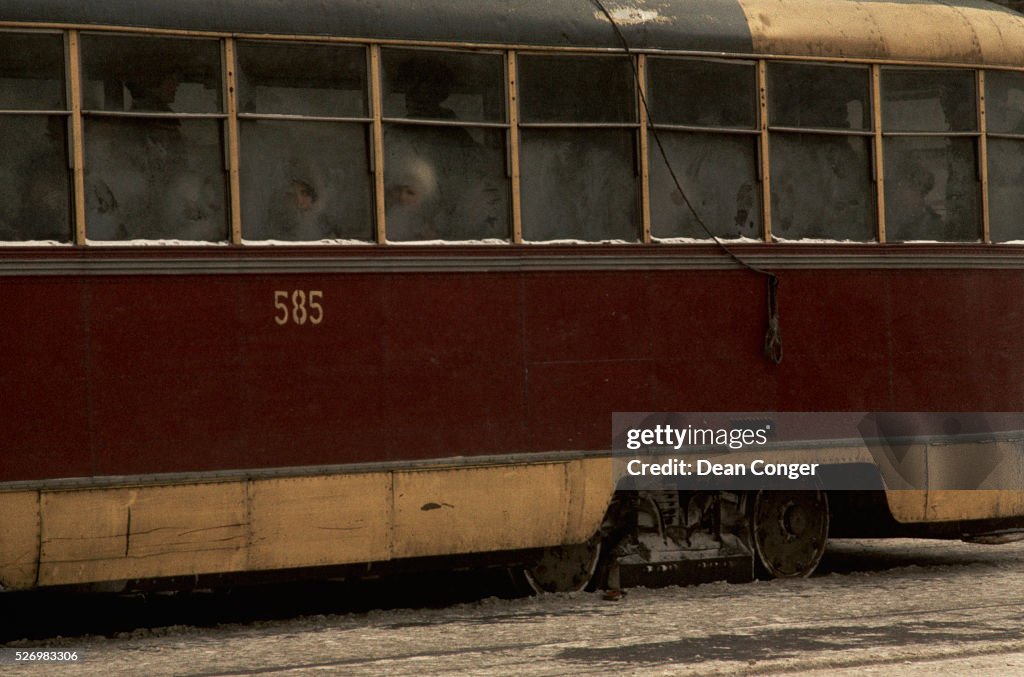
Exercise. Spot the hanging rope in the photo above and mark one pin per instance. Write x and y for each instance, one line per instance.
(773, 332)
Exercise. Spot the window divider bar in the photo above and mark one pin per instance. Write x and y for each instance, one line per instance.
(822, 131)
(376, 105)
(36, 111)
(426, 122)
(77, 144)
(154, 116)
(766, 181)
(645, 185)
(943, 135)
(234, 156)
(513, 146)
(986, 233)
(668, 127)
(578, 125)
(878, 158)
(300, 118)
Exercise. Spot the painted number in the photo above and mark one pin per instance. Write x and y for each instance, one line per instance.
(299, 307)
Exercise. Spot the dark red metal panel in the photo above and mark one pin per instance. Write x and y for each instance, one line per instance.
(45, 369)
(117, 374)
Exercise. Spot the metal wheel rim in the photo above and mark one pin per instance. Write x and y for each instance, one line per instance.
(790, 531)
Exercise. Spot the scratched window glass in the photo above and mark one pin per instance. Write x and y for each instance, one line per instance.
(1004, 101)
(579, 173)
(931, 189)
(445, 166)
(151, 75)
(811, 96)
(1006, 189)
(822, 187)
(306, 80)
(304, 180)
(154, 140)
(579, 185)
(574, 89)
(35, 197)
(932, 183)
(720, 189)
(154, 179)
(820, 152)
(929, 100)
(702, 92)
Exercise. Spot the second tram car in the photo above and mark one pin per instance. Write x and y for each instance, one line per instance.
(291, 285)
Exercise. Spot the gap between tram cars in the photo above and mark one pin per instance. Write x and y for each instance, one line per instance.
(297, 288)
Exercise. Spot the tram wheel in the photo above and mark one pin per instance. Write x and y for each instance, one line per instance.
(790, 531)
(567, 568)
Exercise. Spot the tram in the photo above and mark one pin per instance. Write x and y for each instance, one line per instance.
(290, 286)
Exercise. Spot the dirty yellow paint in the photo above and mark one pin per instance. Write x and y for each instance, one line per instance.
(316, 521)
(591, 484)
(908, 505)
(949, 505)
(945, 506)
(480, 509)
(886, 30)
(125, 533)
(91, 535)
(19, 539)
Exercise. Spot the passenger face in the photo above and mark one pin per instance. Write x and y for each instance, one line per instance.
(167, 91)
(302, 196)
(407, 196)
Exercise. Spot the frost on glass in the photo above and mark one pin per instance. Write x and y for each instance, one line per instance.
(1004, 102)
(821, 187)
(1006, 189)
(931, 189)
(34, 184)
(304, 181)
(309, 80)
(579, 184)
(151, 174)
(154, 178)
(444, 181)
(702, 93)
(718, 174)
(35, 195)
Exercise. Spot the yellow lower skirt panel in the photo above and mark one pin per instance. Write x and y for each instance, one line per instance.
(915, 506)
(74, 536)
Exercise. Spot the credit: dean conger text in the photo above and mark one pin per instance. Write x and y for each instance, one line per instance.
(704, 468)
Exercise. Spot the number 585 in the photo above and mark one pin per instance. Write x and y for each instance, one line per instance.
(298, 307)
